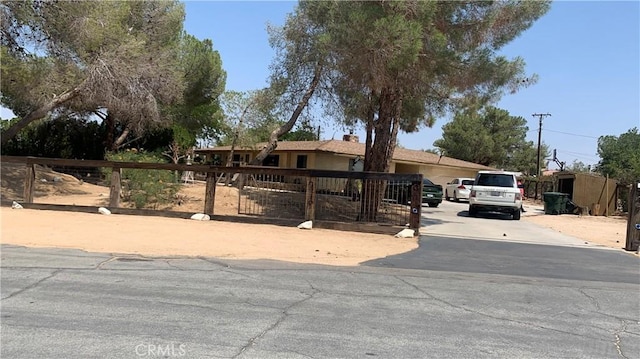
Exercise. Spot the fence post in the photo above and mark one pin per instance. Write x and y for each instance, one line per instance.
(633, 206)
(210, 193)
(115, 187)
(310, 201)
(416, 206)
(29, 182)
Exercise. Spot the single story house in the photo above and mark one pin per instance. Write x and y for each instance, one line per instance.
(346, 155)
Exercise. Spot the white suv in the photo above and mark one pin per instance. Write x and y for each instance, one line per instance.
(495, 191)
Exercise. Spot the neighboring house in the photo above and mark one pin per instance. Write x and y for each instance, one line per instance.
(346, 155)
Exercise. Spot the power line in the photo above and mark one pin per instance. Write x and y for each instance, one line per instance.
(570, 134)
(577, 153)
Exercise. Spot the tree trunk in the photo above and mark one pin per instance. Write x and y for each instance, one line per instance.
(39, 113)
(277, 133)
(120, 140)
(110, 128)
(381, 151)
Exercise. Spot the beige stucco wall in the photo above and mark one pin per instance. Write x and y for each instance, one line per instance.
(331, 162)
(327, 161)
(443, 174)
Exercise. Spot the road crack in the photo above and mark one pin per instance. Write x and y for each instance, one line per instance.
(468, 310)
(31, 286)
(593, 300)
(283, 316)
(618, 341)
(105, 262)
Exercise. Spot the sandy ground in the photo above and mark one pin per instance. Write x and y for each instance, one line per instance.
(158, 236)
(606, 231)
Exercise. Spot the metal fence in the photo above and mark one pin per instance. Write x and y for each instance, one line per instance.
(343, 197)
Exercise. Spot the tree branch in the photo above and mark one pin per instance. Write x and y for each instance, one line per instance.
(39, 113)
(275, 134)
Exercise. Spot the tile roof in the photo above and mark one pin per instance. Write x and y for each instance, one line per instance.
(356, 149)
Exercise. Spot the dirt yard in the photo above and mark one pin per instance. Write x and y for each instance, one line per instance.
(155, 236)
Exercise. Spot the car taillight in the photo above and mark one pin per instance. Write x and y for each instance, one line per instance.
(473, 193)
(461, 187)
(518, 197)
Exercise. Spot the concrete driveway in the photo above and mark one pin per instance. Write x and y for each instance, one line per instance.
(451, 219)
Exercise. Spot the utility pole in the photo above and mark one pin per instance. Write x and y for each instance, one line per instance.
(540, 116)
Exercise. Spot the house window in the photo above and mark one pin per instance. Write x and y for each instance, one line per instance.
(301, 161)
(356, 164)
(236, 160)
(272, 161)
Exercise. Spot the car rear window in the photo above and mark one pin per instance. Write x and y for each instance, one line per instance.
(427, 182)
(467, 182)
(495, 180)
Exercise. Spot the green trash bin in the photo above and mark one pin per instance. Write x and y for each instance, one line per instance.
(555, 202)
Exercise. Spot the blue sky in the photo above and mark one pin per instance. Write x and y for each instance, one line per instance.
(585, 53)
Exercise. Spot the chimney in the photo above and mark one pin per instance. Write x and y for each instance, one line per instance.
(351, 137)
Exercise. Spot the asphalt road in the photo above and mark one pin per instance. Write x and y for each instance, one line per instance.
(451, 298)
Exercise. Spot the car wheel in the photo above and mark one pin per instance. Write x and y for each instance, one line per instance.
(516, 215)
(473, 212)
(455, 197)
(446, 196)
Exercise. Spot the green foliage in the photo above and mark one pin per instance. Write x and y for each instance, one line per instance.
(524, 157)
(620, 156)
(251, 116)
(199, 113)
(89, 55)
(64, 137)
(303, 132)
(144, 188)
(491, 137)
(577, 166)
(400, 64)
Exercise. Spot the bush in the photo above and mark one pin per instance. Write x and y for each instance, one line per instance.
(144, 188)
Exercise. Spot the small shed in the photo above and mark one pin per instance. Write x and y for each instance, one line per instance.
(590, 190)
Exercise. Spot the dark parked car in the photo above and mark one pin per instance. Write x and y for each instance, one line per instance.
(431, 193)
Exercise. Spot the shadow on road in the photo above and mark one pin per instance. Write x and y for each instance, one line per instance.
(434, 221)
(527, 260)
(487, 215)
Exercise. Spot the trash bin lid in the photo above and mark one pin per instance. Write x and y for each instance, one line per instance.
(555, 194)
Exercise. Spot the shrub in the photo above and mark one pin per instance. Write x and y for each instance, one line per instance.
(144, 188)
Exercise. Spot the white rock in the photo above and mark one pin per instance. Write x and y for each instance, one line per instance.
(405, 233)
(103, 210)
(306, 225)
(16, 205)
(201, 217)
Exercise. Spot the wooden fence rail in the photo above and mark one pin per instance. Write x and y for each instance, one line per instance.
(309, 176)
